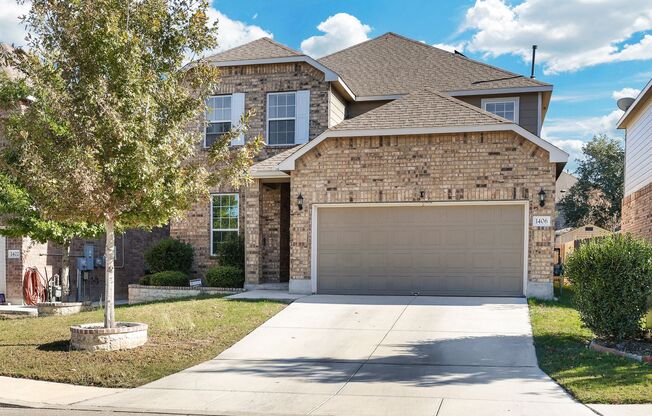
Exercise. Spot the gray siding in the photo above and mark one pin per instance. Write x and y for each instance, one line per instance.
(528, 115)
(356, 108)
(336, 108)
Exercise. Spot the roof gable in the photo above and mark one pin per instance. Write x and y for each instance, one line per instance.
(258, 49)
(392, 64)
(422, 109)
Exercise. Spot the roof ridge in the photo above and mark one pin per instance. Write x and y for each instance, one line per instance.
(431, 47)
(427, 45)
(279, 44)
(355, 46)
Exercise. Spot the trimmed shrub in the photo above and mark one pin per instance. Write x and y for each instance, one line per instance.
(168, 278)
(225, 276)
(613, 279)
(169, 254)
(144, 280)
(232, 252)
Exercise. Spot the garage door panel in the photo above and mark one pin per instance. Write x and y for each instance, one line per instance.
(447, 250)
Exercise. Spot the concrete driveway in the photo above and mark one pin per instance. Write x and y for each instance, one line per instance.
(370, 355)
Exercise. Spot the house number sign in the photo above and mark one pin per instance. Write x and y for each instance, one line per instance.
(13, 254)
(541, 221)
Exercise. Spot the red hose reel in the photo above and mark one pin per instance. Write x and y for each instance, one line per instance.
(33, 286)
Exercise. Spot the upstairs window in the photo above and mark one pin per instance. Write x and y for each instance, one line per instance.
(281, 118)
(503, 107)
(218, 117)
(288, 117)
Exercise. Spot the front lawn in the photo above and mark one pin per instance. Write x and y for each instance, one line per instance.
(181, 334)
(562, 349)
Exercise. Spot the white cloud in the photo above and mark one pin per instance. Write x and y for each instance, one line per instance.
(232, 33)
(11, 29)
(625, 92)
(451, 47)
(584, 127)
(340, 31)
(571, 34)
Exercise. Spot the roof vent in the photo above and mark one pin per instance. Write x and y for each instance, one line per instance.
(625, 102)
(534, 55)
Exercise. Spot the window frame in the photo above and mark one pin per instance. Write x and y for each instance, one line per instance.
(515, 100)
(212, 230)
(268, 119)
(230, 121)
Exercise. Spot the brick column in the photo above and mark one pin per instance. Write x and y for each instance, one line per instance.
(253, 271)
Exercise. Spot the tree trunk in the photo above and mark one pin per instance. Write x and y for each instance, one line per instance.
(109, 252)
(65, 271)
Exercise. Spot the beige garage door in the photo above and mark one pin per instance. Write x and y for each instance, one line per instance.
(433, 250)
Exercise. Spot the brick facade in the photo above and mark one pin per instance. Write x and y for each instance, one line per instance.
(469, 167)
(255, 81)
(637, 213)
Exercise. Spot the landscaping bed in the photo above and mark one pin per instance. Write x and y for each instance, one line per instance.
(182, 333)
(562, 345)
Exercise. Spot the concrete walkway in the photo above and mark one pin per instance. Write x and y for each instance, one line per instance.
(365, 355)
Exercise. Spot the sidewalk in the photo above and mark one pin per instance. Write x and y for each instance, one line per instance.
(45, 394)
(34, 393)
(622, 409)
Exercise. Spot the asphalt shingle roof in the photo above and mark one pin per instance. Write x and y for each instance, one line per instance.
(257, 49)
(421, 109)
(272, 163)
(392, 64)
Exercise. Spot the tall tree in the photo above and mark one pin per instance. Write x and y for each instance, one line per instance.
(112, 129)
(597, 196)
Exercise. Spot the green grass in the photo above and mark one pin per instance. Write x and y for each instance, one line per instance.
(562, 349)
(181, 334)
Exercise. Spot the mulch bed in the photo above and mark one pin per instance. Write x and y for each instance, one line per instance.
(640, 350)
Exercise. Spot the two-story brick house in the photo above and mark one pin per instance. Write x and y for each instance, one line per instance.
(391, 167)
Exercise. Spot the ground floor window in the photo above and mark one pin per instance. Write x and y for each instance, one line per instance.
(224, 219)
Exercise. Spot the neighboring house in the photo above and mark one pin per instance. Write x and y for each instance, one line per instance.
(391, 167)
(565, 239)
(637, 201)
(564, 182)
(17, 254)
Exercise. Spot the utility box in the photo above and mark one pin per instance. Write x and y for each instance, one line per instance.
(87, 262)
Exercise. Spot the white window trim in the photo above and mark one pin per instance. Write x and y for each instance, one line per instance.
(515, 100)
(212, 230)
(268, 119)
(217, 121)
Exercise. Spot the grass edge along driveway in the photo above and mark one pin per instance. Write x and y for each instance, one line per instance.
(561, 343)
(182, 333)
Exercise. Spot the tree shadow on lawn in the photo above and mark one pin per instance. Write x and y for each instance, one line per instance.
(55, 346)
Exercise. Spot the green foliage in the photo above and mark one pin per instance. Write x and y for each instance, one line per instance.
(20, 218)
(225, 276)
(168, 278)
(597, 196)
(231, 252)
(144, 280)
(612, 279)
(169, 254)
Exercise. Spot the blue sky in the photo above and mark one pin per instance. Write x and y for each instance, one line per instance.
(592, 51)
